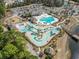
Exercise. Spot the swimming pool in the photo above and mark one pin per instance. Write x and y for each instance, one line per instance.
(48, 20)
(31, 31)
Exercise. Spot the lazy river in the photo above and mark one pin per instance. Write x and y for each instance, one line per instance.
(37, 35)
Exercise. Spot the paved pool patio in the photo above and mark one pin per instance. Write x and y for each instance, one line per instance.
(40, 35)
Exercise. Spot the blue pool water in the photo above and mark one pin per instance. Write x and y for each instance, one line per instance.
(48, 20)
(22, 28)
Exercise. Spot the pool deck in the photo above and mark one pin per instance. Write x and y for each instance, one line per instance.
(41, 33)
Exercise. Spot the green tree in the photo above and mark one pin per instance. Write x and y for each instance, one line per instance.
(1, 29)
(2, 10)
(23, 54)
(47, 51)
(33, 57)
(15, 34)
(1, 56)
(2, 41)
(20, 42)
(9, 50)
(17, 39)
(1, 37)
(12, 36)
(12, 45)
(48, 57)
